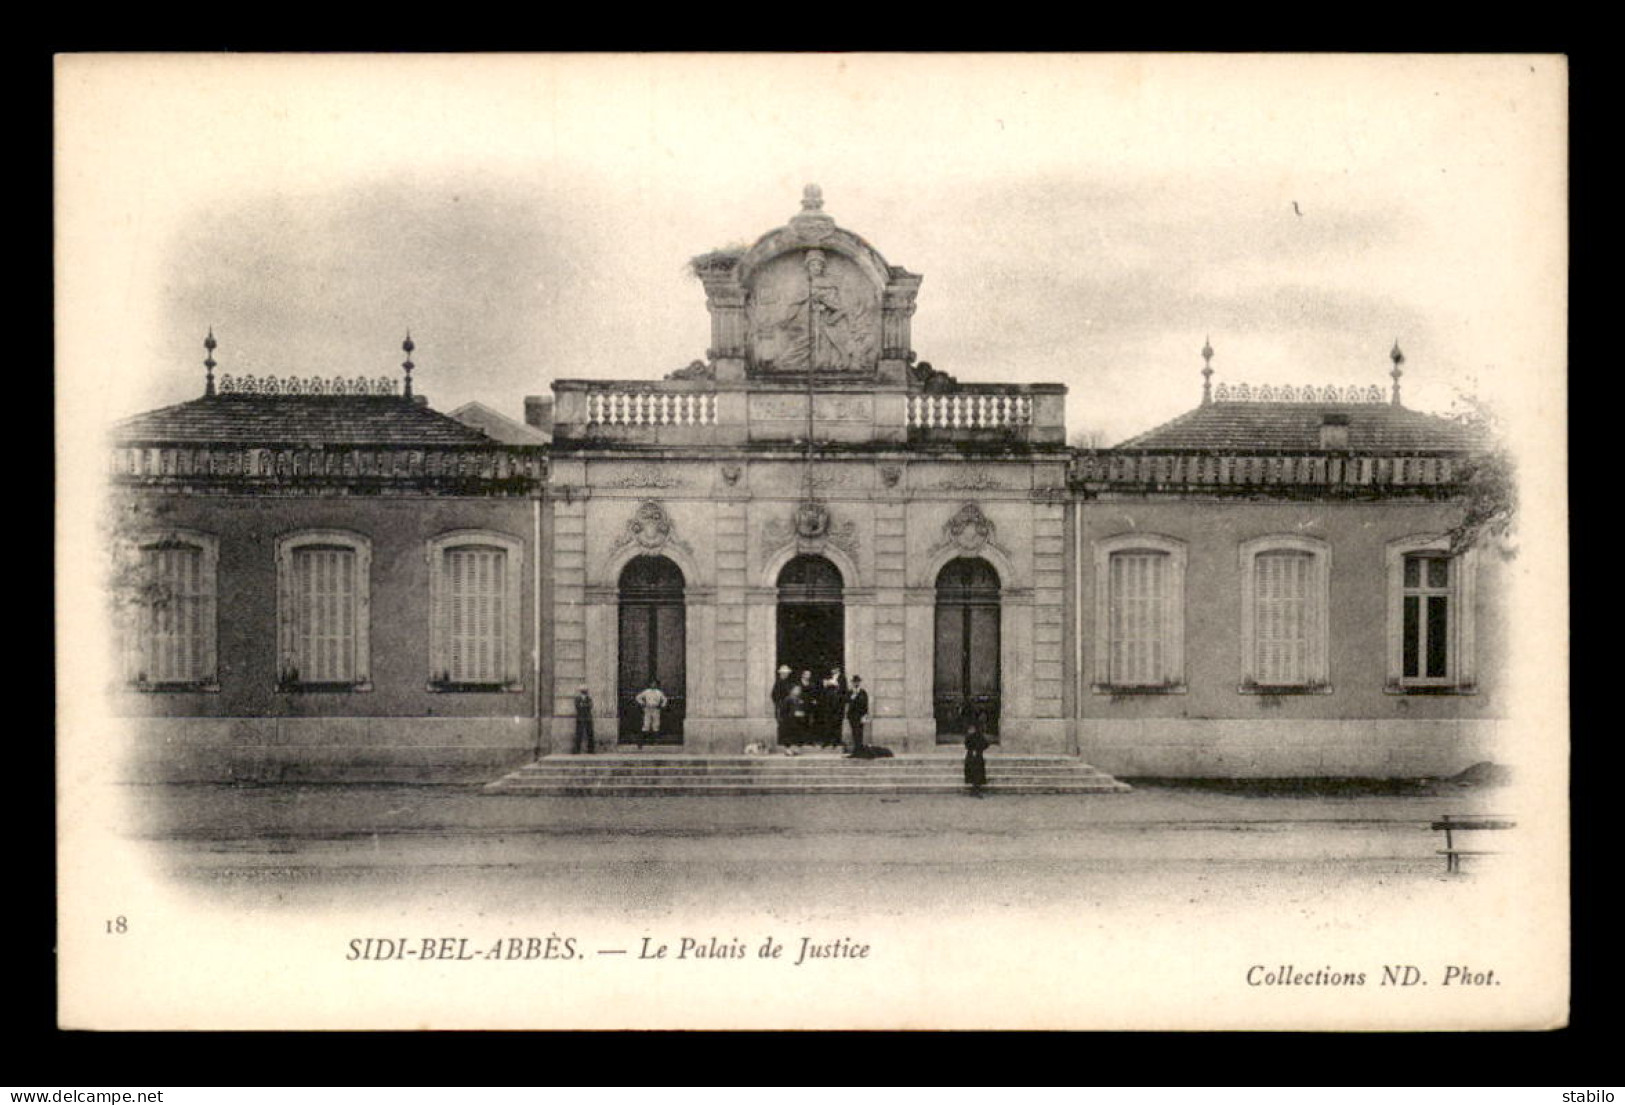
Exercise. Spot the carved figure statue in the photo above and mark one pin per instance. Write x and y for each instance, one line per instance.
(813, 326)
(828, 340)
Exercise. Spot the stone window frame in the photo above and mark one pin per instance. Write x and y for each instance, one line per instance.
(435, 550)
(286, 546)
(208, 546)
(1177, 551)
(1318, 677)
(1461, 660)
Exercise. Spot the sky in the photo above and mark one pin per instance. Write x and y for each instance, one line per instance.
(1088, 220)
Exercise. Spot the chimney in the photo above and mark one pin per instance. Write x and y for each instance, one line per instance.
(539, 412)
(1334, 431)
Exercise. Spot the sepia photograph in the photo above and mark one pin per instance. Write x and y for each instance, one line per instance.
(812, 541)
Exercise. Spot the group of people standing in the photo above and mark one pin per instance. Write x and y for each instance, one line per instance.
(812, 711)
(808, 712)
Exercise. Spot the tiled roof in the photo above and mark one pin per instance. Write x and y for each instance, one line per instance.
(499, 426)
(300, 420)
(1231, 425)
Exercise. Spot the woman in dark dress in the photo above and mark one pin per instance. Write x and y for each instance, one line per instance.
(795, 715)
(806, 721)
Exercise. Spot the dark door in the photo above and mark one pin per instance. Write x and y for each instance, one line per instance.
(967, 649)
(811, 620)
(652, 647)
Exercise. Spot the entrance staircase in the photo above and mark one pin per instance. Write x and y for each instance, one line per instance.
(643, 774)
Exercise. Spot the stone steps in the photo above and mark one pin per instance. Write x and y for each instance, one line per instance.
(644, 775)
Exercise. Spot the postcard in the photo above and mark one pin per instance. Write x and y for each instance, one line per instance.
(788, 541)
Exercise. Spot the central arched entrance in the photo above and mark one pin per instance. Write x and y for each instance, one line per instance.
(652, 648)
(811, 618)
(967, 648)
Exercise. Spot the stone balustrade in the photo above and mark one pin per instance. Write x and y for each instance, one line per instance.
(970, 410)
(625, 407)
(1108, 470)
(685, 412)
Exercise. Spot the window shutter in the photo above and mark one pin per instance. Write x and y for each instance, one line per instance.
(324, 614)
(1139, 618)
(476, 622)
(1282, 614)
(173, 638)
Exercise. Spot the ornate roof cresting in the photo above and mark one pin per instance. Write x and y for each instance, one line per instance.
(1286, 393)
(307, 385)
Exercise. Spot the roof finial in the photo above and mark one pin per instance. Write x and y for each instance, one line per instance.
(209, 362)
(1398, 358)
(1207, 370)
(812, 198)
(407, 364)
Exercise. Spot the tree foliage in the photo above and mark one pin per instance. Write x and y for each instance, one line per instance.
(1490, 477)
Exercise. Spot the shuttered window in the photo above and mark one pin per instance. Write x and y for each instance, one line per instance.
(1139, 618)
(1285, 597)
(172, 641)
(474, 615)
(325, 611)
(1139, 637)
(474, 612)
(1283, 616)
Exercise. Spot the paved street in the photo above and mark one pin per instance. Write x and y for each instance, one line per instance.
(798, 856)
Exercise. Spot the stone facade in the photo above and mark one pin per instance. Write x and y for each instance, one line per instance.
(1262, 587)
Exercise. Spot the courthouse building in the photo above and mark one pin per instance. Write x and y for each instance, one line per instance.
(338, 581)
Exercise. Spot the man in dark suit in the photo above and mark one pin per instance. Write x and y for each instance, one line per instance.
(857, 713)
(781, 688)
(583, 722)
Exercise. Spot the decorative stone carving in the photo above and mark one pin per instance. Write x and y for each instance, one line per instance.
(813, 310)
(641, 476)
(836, 476)
(731, 474)
(890, 474)
(810, 527)
(976, 479)
(812, 520)
(650, 528)
(970, 531)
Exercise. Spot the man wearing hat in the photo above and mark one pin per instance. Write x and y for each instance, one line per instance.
(583, 745)
(781, 688)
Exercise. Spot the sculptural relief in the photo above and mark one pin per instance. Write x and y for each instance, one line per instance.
(650, 527)
(811, 526)
(970, 530)
(813, 311)
(640, 476)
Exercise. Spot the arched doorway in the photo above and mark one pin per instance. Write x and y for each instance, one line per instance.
(652, 647)
(967, 648)
(811, 617)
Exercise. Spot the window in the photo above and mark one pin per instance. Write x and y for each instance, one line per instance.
(1430, 617)
(474, 612)
(1139, 614)
(1285, 614)
(170, 633)
(323, 610)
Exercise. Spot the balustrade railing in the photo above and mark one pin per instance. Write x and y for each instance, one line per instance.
(651, 408)
(970, 411)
